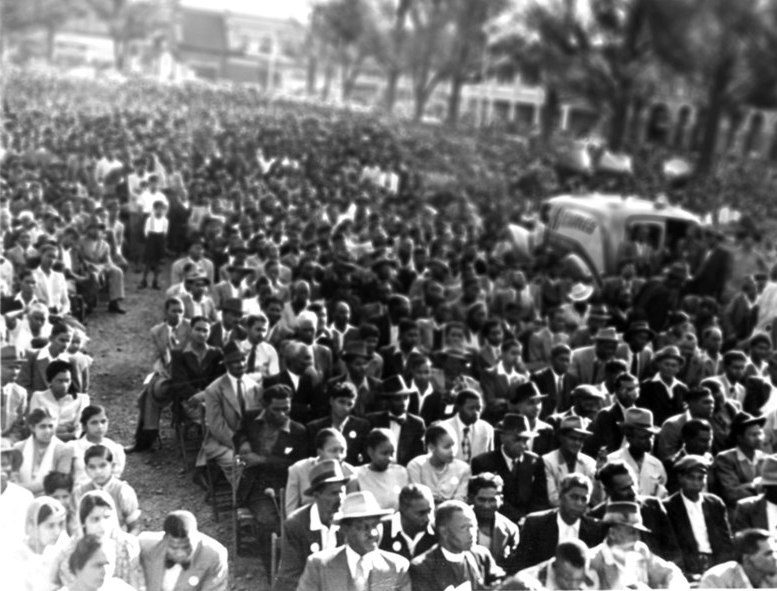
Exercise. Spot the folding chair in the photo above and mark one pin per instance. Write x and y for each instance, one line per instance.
(184, 428)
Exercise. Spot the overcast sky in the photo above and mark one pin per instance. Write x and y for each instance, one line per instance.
(297, 9)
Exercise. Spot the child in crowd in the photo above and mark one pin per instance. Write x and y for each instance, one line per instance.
(94, 425)
(59, 486)
(382, 477)
(155, 232)
(439, 469)
(99, 468)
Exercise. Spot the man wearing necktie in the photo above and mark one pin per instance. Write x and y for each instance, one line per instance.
(226, 401)
(359, 564)
(474, 436)
(182, 558)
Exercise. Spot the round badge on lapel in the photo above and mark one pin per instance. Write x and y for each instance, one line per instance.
(396, 546)
(314, 547)
(352, 434)
(194, 581)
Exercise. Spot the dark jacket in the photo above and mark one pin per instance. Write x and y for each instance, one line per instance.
(556, 401)
(525, 489)
(411, 435)
(302, 398)
(718, 530)
(750, 512)
(606, 432)
(187, 376)
(653, 397)
(539, 538)
(431, 571)
(398, 545)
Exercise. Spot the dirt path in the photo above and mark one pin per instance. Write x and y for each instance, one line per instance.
(121, 349)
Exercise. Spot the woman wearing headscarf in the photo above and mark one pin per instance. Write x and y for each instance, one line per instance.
(31, 564)
(92, 563)
(97, 517)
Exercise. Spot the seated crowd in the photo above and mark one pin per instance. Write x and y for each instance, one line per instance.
(386, 388)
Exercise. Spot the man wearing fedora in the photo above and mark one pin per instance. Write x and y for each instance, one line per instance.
(408, 429)
(527, 400)
(597, 317)
(759, 510)
(309, 529)
(638, 337)
(555, 381)
(228, 328)
(542, 531)
(664, 394)
(755, 565)
(568, 458)
(734, 470)
(227, 400)
(639, 431)
(236, 285)
(699, 518)
(522, 471)
(622, 561)
(456, 559)
(342, 399)
(14, 499)
(96, 255)
(587, 401)
(587, 363)
(359, 564)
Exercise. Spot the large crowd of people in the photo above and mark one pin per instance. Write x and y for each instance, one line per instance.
(366, 364)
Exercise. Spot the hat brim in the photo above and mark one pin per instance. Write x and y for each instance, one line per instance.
(637, 526)
(678, 358)
(382, 514)
(653, 430)
(333, 480)
(406, 392)
(582, 296)
(577, 430)
(522, 434)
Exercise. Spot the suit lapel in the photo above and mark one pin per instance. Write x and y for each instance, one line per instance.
(158, 565)
(231, 395)
(339, 572)
(684, 525)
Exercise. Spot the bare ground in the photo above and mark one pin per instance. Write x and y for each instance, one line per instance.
(120, 346)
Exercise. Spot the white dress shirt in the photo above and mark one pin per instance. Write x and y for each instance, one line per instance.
(566, 531)
(698, 525)
(771, 516)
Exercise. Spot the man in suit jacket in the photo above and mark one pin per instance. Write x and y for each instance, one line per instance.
(498, 534)
(305, 332)
(360, 563)
(664, 394)
(234, 287)
(522, 471)
(408, 428)
(388, 324)
(355, 355)
(299, 375)
(342, 398)
(201, 562)
(701, 405)
(228, 328)
(734, 470)
(699, 519)
(396, 357)
(472, 434)
(588, 363)
(195, 366)
(637, 348)
(713, 274)
(556, 382)
(410, 532)
(227, 400)
(497, 382)
(196, 302)
(605, 428)
(754, 511)
(540, 533)
(306, 530)
(433, 571)
(541, 343)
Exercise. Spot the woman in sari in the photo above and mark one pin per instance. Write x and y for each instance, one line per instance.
(42, 452)
(97, 517)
